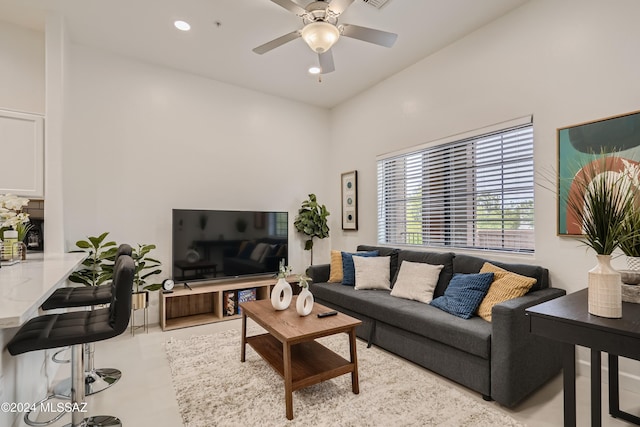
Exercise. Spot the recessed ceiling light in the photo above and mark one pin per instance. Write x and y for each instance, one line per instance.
(314, 70)
(182, 25)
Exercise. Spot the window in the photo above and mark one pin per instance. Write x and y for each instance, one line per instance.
(471, 192)
(281, 224)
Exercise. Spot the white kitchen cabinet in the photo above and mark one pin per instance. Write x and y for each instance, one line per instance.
(22, 154)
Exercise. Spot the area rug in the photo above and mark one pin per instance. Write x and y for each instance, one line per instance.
(213, 388)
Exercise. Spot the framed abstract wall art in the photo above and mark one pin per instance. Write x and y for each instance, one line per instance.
(580, 146)
(349, 200)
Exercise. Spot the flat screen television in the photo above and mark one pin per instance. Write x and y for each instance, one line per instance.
(217, 244)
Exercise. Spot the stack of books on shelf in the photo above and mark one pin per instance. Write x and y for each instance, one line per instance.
(229, 303)
(245, 295)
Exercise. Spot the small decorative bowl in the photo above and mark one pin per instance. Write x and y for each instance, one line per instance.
(630, 277)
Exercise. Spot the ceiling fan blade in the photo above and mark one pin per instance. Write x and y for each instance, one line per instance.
(326, 62)
(339, 6)
(277, 42)
(370, 35)
(291, 6)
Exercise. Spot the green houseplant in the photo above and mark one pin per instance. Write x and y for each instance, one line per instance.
(603, 203)
(145, 268)
(97, 268)
(312, 222)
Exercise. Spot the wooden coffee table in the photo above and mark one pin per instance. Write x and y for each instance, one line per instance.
(289, 345)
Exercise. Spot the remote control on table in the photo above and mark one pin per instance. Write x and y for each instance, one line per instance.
(327, 313)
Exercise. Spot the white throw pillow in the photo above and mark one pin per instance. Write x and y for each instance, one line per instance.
(416, 281)
(372, 272)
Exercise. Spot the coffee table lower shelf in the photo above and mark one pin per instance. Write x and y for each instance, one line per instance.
(311, 362)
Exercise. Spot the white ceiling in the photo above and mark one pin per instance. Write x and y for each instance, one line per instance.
(144, 29)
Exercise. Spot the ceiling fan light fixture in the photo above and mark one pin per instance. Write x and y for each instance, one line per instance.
(320, 36)
(315, 70)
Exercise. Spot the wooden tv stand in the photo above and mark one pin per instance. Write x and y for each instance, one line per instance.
(203, 304)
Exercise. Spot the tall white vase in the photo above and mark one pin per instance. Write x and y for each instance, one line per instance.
(281, 295)
(304, 303)
(605, 289)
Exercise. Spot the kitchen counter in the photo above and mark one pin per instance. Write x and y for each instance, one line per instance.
(26, 285)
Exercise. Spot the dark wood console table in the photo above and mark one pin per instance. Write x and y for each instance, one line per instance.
(566, 319)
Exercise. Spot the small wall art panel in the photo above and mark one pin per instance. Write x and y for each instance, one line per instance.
(350, 200)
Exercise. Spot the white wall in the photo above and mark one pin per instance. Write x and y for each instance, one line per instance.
(565, 62)
(141, 140)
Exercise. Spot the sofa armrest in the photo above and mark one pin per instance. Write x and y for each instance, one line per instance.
(319, 273)
(520, 361)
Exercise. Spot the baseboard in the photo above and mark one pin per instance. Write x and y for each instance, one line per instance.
(627, 380)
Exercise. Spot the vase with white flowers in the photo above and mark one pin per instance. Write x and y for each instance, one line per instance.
(14, 226)
(304, 302)
(282, 293)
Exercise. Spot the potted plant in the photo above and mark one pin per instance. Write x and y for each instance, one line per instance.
(312, 222)
(97, 267)
(304, 302)
(601, 198)
(282, 293)
(145, 267)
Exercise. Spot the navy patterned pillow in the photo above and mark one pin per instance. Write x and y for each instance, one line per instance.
(464, 294)
(348, 269)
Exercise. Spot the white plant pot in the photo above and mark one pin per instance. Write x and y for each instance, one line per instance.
(605, 289)
(304, 303)
(281, 295)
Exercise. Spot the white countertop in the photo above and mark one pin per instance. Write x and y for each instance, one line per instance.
(26, 285)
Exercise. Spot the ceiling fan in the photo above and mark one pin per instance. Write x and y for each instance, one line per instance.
(321, 30)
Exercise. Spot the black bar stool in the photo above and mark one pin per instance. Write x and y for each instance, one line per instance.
(76, 329)
(99, 379)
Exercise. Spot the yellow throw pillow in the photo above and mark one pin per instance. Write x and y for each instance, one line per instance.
(505, 286)
(335, 275)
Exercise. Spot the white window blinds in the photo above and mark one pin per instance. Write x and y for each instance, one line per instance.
(475, 192)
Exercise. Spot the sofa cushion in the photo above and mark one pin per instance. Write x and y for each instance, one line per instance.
(469, 264)
(258, 251)
(335, 274)
(348, 269)
(434, 258)
(505, 286)
(269, 251)
(416, 281)
(469, 335)
(372, 272)
(464, 294)
(384, 251)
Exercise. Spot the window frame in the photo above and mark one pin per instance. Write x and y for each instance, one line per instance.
(455, 180)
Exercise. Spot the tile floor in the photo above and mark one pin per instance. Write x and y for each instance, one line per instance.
(145, 396)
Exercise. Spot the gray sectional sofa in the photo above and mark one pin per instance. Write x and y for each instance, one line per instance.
(499, 359)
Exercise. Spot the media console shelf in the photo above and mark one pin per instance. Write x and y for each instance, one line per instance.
(183, 308)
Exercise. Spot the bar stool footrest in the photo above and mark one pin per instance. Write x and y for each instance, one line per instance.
(30, 422)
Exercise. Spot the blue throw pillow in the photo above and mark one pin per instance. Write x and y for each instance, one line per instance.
(464, 294)
(348, 269)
